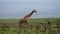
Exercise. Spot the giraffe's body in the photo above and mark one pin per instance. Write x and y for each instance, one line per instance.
(25, 19)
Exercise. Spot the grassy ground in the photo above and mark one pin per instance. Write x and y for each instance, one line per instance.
(36, 26)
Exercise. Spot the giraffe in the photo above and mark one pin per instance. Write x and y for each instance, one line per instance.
(26, 18)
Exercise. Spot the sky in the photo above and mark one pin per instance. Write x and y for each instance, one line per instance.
(20, 8)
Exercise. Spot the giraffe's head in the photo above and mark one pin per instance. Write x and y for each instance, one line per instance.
(34, 11)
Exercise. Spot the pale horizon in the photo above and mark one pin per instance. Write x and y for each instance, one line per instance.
(20, 8)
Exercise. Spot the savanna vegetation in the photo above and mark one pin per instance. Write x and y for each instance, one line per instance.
(35, 26)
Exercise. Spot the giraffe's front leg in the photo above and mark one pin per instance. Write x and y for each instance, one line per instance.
(27, 25)
(26, 22)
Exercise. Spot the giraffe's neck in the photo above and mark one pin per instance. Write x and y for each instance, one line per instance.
(29, 15)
